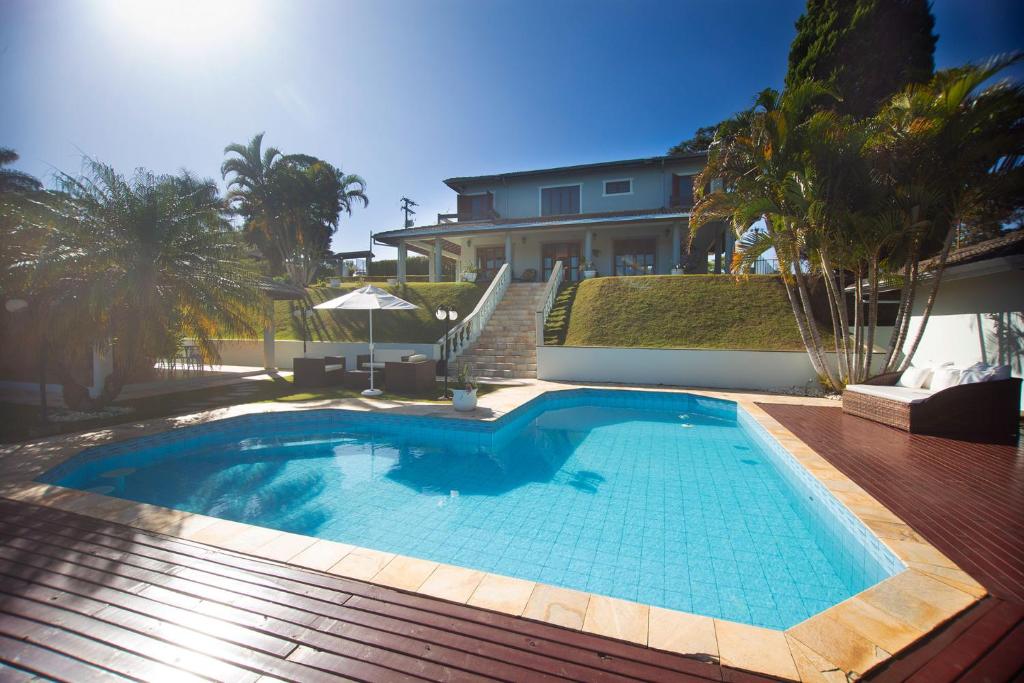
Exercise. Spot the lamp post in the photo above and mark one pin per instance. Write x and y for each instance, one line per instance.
(447, 314)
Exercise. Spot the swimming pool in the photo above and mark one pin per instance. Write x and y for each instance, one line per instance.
(667, 499)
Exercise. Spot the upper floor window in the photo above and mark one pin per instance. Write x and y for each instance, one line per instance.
(682, 190)
(555, 201)
(474, 207)
(613, 187)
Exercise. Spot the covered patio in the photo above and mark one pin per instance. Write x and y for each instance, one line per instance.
(655, 242)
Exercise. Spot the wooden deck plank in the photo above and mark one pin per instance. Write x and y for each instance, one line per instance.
(446, 648)
(36, 661)
(147, 589)
(608, 656)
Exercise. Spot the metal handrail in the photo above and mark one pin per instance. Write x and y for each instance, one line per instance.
(466, 332)
(548, 300)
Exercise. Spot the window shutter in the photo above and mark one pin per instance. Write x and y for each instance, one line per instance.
(464, 207)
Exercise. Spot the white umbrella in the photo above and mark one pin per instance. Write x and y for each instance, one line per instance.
(368, 298)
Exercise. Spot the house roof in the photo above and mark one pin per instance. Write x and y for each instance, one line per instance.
(459, 182)
(461, 227)
(1005, 245)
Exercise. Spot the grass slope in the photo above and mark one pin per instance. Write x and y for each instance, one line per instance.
(689, 311)
(417, 326)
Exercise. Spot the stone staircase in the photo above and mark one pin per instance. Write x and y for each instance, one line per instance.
(507, 348)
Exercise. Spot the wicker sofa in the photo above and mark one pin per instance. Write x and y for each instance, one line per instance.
(986, 411)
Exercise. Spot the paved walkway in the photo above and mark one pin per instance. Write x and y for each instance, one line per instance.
(27, 393)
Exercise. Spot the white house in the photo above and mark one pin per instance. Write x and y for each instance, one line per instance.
(622, 217)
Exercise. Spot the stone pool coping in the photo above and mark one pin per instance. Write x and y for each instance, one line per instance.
(846, 639)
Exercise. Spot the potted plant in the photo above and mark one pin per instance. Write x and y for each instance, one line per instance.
(469, 273)
(677, 269)
(589, 270)
(464, 398)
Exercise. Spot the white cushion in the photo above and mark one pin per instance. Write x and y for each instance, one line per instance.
(417, 357)
(979, 372)
(943, 378)
(999, 372)
(331, 368)
(376, 365)
(901, 394)
(914, 378)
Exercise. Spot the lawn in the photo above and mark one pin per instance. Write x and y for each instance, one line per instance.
(19, 422)
(689, 311)
(417, 326)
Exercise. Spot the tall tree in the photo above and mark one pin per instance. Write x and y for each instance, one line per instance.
(868, 199)
(865, 49)
(139, 262)
(701, 140)
(291, 204)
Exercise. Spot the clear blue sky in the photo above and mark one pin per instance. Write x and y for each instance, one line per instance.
(404, 93)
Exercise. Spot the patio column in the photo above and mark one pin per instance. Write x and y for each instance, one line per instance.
(269, 361)
(508, 249)
(438, 269)
(403, 254)
(730, 247)
(588, 247)
(102, 366)
(677, 245)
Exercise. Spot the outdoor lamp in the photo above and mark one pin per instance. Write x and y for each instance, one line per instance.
(446, 314)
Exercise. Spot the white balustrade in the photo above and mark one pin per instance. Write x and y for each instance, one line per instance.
(466, 332)
(550, 294)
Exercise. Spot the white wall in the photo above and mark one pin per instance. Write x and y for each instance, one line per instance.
(721, 369)
(975, 319)
(250, 352)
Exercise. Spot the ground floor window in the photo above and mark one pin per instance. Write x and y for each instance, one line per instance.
(566, 252)
(634, 257)
(488, 261)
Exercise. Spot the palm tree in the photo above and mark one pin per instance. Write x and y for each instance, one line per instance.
(15, 181)
(866, 199)
(139, 263)
(290, 204)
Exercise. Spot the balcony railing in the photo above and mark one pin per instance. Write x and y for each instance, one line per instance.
(443, 218)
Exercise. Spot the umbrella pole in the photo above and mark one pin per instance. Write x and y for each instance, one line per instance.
(372, 391)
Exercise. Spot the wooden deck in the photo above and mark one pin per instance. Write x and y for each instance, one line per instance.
(85, 600)
(967, 500)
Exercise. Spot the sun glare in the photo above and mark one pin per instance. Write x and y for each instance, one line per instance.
(189, 28)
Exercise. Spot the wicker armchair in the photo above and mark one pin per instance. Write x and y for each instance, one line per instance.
(411, 377)
(318, 372)
(984, 411)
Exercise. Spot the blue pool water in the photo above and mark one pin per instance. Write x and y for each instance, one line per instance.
(667, 499)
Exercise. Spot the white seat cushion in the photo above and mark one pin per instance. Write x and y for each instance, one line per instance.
(376, 365)
(901, 394)
(417, 357)
(914, 378)
(331, 368)
(943, 378)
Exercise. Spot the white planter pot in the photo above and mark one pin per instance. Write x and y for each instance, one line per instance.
(587, 274)
(463, 400)
(469, 277)
(677, 271)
